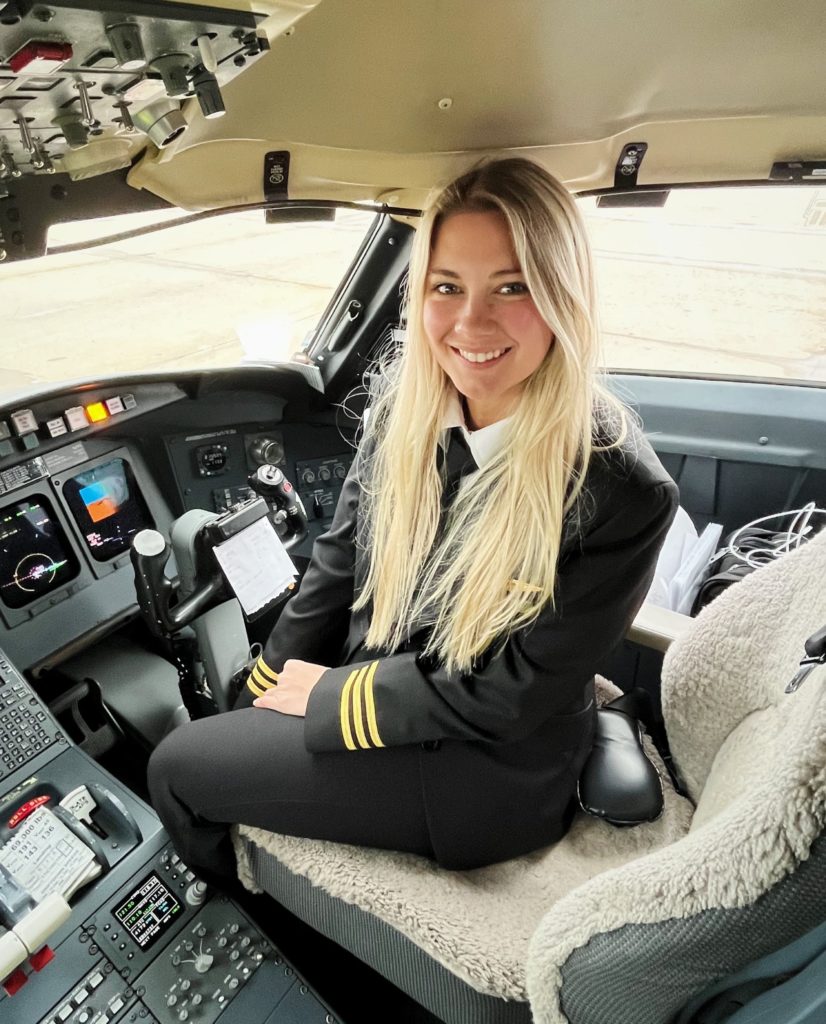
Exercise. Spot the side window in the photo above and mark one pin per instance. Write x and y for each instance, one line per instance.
(728, 281)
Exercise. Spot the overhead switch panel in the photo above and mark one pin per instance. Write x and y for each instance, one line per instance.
(75, 74)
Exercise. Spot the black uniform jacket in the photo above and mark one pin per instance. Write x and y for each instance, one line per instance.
(500, 750)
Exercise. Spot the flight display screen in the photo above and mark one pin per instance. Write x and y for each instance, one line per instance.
(148, 911)
(35, 557)
(108, 508)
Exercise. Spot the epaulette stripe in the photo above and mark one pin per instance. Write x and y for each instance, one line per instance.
(358, 717)
(265, 670)
(370, 706)
(251, 685)
(344, 711)
(260, 679)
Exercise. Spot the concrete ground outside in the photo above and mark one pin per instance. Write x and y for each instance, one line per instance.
(681, 294)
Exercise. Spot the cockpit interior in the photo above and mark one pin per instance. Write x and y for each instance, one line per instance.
(296, 111)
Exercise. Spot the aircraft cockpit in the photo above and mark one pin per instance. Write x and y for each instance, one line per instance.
(207, 212)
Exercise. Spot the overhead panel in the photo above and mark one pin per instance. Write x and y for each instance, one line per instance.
(85, 84)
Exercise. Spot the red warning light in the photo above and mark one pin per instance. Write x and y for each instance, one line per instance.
(40, 56)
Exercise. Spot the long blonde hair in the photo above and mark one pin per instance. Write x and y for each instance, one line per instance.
(492, 567)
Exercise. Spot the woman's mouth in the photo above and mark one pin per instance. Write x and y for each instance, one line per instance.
(481, 358)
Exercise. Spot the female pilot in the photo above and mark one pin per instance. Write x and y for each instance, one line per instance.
(430, 687)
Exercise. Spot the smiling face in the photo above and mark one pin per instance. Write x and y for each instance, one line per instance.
(479, 318)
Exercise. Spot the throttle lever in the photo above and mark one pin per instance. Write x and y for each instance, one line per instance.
(270, 483)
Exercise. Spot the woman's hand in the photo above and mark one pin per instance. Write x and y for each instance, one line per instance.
(295, 683)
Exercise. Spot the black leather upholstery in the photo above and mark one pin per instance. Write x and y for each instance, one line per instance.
(619, 783)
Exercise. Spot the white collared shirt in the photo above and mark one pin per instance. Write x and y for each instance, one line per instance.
(485, 443)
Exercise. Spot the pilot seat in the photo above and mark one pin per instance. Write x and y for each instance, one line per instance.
(610, 925)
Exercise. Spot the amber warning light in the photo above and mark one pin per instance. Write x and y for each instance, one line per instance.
(97, 412)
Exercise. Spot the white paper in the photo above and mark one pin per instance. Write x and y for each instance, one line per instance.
(682, 563)
(44, 856)
(256, 565)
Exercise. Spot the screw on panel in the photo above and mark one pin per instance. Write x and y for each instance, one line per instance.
(763, 440)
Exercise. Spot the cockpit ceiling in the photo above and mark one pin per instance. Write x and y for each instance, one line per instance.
(382, 99)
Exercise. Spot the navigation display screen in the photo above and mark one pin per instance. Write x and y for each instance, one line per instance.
(148, 911)
(35, 557)
(107, 507)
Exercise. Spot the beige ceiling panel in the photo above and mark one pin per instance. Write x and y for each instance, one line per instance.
(372, 96)
(230, 172)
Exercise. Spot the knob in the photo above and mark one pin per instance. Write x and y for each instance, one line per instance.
(234, 955)
(186, 984)
(196, 999)
(234, 928)
(222, 941)
(308, 476)
(340, 471)
(171, 999)
(203, 962)
(200, 931)
(324, 474)
(233, 983)
(266, 450)
(195, 893)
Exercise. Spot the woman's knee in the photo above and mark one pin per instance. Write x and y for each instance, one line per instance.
(172, 761)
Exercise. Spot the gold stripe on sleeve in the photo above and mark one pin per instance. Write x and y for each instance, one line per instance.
(266, 671)
(370, 706)
(358, 717)
(262, 680)
(253, 686)
(344, 711)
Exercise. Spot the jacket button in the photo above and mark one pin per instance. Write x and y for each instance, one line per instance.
(431, 745)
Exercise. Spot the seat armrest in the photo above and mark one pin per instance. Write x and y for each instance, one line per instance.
(657, 627)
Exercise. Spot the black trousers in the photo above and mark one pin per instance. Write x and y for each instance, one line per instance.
(250, 767)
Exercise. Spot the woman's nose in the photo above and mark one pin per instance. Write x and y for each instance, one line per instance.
(475, 316)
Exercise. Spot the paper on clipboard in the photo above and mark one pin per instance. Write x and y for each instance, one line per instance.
(256, 565)
(44, 856)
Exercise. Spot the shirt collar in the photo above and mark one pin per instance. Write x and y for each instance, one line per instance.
(486, 443)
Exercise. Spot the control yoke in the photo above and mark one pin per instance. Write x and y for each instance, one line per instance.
(168, 605)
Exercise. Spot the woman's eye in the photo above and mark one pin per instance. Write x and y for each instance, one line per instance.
(514, 288)
(445, 288)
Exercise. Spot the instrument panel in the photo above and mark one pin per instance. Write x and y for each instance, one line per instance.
(75, 490)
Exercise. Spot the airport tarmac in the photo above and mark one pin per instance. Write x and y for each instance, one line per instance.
(685, 297)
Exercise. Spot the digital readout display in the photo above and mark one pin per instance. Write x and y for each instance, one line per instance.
(35, 557)
(148, 911)
(108, 507)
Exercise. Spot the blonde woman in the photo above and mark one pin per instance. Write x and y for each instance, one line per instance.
(430, 687)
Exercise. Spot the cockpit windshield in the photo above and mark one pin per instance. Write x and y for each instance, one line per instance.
(215, 292)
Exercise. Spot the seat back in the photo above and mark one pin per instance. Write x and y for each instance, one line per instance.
(635, 944)
(737, 659)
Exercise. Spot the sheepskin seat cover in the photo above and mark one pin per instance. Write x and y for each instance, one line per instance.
(753, 759)
(477, 924)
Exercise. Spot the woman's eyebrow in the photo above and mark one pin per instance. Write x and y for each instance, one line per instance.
(452, 273)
